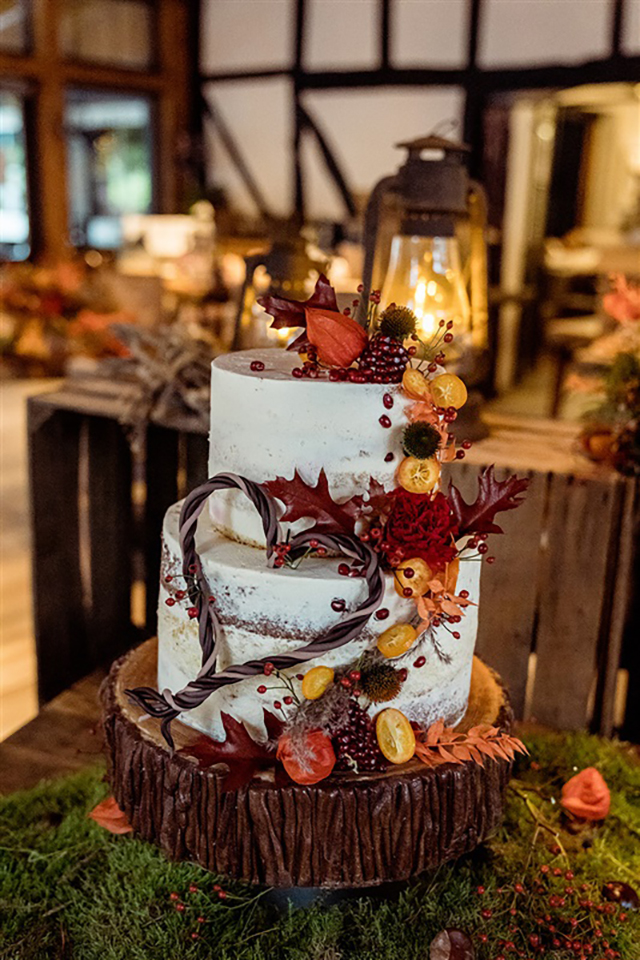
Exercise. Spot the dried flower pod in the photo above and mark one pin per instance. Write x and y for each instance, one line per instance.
(622, 893)
(398, 322)
(338, 339)
(380, 682)
(451, 945)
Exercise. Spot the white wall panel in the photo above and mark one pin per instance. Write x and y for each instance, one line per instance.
(536, 32)
(341, 34)
(631, 38)
(429, 33)
(259, 115)
(246, 34)
(362, 127)
(323, 201)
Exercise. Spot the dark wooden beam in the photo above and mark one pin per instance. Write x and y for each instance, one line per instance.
(298, 113)
(385, 33)
(617, 26)
(474, 95)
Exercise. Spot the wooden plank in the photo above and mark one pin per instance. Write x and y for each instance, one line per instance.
(509, 588)
(622, 542)
(110, 542)
(64, 737)
(162, 491)
(59, 622)
(573, 579)
(197, 454)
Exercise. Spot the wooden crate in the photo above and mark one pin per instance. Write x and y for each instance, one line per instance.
(554, 606)
(96, 512)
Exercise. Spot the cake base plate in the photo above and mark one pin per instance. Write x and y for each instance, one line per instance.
(348, 831)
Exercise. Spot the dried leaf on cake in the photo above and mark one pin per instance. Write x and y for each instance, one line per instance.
(302, 500)
(440, 744)
(494, 496)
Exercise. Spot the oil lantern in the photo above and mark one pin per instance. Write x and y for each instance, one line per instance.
(425, 247)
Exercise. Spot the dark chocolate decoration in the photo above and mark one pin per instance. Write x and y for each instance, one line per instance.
(166, 706)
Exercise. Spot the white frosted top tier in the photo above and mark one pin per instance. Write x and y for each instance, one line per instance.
(267, 423)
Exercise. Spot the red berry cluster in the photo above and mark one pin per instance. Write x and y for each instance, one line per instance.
(383, 360)
(186, 909)
(356, 744)
(550, 913)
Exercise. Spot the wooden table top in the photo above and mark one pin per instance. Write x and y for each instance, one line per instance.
(65, 737)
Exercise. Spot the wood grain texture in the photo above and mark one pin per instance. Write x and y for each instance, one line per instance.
(346, 831)
(574, 581)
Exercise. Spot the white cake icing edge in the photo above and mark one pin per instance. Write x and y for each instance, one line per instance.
(266, 424)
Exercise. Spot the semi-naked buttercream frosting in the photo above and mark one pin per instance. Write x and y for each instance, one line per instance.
(265, 611)
(267, 424)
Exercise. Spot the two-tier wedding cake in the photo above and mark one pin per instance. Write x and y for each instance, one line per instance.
(322, 589)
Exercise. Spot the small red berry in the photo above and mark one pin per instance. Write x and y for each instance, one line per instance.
(345, 682)
(268, 668)
(296, 372)
(338, 605)
(403, 674)
(343, 570)
(288, 700)
(384, 421)
(354, 675)
(180, 907)
(408, 572)
(170, 602)
(420, 662)
(491, 560)
(299, 676)
(388, 401)
(181, 594)
(448, 337)
(222, 894)
(193, 888)
(257, 365)
(193, 568)
(262, 688)
(193, 612)
(277, 705)
(195, 936)
(201, 920)
(321, 551)
(382, 613)
(407, 592)
(487, 914)
(460, 454)
(174, 896)
(480, 891)
(388, 458)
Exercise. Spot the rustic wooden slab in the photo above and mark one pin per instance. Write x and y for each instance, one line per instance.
(346, 831)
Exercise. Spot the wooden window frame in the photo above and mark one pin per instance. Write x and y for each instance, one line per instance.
(46, 75)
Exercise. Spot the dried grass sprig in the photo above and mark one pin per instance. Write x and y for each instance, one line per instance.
(442, 744)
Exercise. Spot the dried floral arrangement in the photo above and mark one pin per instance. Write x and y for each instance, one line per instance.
(335, 719)
(50, 314)
(612, 427)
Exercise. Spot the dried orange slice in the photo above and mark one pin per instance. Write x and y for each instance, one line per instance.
(418, 476)
(316, 682)
(396, 738)
(448, 390)
(421, 574)
(397, 639)
(414, 384)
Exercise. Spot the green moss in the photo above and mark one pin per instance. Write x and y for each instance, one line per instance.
(70, 889)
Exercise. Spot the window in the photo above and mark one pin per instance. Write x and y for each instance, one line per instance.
(109, 164)
(14, 208)
(93, 119)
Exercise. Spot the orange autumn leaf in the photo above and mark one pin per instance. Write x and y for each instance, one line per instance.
(442, 744)
(109, 815)
(423, 411)
(586, 795)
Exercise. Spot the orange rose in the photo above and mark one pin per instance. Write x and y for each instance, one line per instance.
(587, 795)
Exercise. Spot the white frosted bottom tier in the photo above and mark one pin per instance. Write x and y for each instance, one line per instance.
(264, 612)
(266, 424)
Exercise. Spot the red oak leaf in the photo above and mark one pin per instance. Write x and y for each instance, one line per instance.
(494, 496)
(238, 744)
(291, 313)
(303, 500)
(109, 815)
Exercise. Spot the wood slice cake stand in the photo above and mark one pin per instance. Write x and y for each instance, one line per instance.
(347, 831)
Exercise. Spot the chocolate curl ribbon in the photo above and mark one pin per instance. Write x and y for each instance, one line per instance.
(166, 706)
